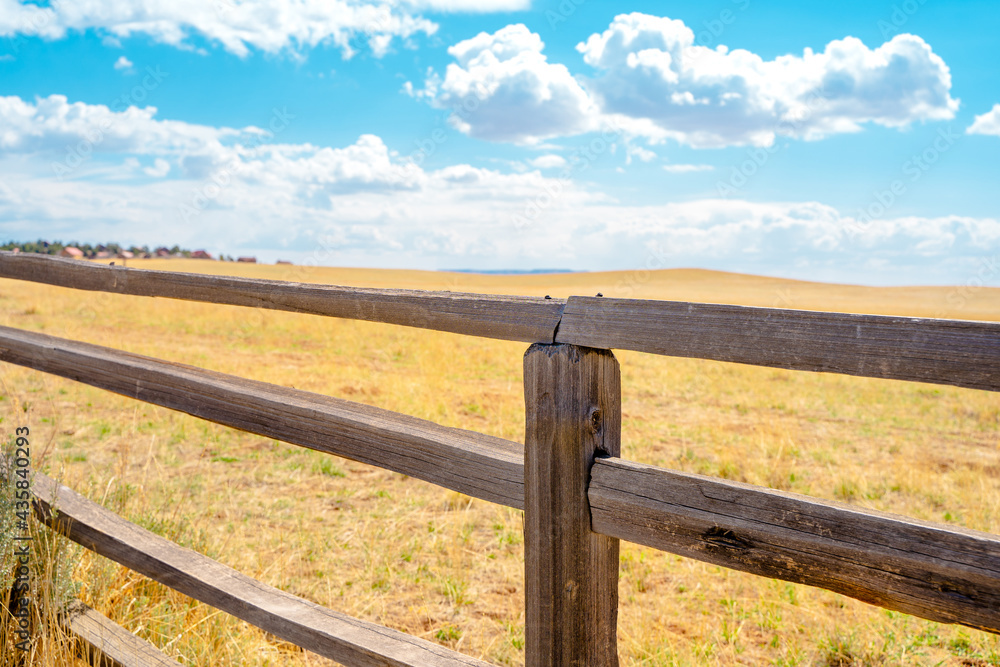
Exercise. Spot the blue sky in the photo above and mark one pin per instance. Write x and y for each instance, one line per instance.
(851, 142)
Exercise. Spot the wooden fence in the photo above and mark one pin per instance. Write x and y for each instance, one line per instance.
(578, 496)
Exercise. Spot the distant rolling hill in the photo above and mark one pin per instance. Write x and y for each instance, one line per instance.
(958, 302)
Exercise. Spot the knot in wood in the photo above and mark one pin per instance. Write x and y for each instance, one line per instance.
(596, 420)
(956, 594)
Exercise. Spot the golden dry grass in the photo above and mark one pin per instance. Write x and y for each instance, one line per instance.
(435, 564)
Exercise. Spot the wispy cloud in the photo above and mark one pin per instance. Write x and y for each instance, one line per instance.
(123, 63)
(159, 169)
(686, 168)
(549, 161)
(987, 123)
(271, 26)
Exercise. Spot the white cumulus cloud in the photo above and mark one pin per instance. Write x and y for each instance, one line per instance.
(651, 70)
(651, 80)
(53, 125)
(503, 88)
(364, 194)
(123, 63)
(987, 123)
(53, 128)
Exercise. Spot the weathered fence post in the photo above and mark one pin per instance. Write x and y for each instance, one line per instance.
(572, 398)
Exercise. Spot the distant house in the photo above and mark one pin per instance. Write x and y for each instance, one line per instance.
(71, 251)
(103, 254)
(125, 254)
(283, 261)
(200, 254)
(162, 252)
(248, 260)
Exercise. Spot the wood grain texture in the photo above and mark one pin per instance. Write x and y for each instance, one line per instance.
(333, 635)
(521, 318)
(474, 464)
(937, 572)
(572, 398)
(107, 644)
(955, 352)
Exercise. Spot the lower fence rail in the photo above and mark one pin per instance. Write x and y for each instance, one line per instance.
(104, 643)
(939, 572)
(315, 628)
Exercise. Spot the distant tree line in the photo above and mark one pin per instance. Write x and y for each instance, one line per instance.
(88, 249)
(91, 250)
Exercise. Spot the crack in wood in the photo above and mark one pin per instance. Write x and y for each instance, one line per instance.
(720, 537)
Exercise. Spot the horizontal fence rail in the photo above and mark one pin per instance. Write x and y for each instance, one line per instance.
(956, 352)
(108, 644)
(521, 318)
(938, 572)
(477, 465)
(935, 571)
(962, 353)
(331, 634)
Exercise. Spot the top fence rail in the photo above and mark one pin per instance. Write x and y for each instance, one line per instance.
(954, 352)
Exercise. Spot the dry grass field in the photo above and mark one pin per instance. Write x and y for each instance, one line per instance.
(436, 564)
